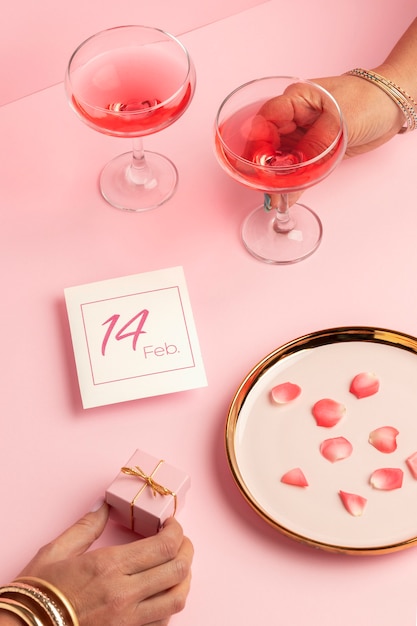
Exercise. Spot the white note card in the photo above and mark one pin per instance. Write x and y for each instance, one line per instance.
(134, 337)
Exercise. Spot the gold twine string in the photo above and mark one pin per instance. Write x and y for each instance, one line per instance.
(156, 488)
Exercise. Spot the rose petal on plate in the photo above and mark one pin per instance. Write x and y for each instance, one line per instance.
(353, 503)
(295, 477)
(387, 478)
(285, 392)
(412, 464)
(336, 449)
(384, 439)
(328, 412)
(364, 384)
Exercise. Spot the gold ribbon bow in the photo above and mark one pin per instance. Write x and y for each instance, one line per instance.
(148, 482)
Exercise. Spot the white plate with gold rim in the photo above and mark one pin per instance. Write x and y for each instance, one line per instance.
(264, 440)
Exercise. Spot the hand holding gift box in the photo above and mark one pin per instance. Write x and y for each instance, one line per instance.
(145, 493)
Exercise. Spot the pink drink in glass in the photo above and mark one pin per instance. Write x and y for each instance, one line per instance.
(264, 165)
(131, 91)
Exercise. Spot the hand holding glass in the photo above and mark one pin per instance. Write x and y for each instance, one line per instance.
(280, 135)
(132, 81)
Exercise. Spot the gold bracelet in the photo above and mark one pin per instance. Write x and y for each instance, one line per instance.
(401, 98)
(60, 599)
(34, 600)
(21, 611)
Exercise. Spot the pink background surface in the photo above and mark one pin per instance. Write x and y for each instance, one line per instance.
(37, 38)
(57, 231)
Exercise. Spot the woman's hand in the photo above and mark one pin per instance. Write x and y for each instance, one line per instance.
(371, 117)
(137, 584)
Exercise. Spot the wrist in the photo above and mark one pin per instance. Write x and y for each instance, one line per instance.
(399, 75)
(406, 105)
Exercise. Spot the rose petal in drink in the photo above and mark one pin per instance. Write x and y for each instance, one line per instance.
(285, 392)
(384, 439)
(364, 384)
(387, 478)
(412, 464)
(328, 412)
(353, 503)
(295, 477)
(336, 449)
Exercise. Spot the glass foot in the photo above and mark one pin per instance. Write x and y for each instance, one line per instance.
(124, 188)
(265, 243)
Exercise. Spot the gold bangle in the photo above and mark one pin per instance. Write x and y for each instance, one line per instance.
(11, 606)
(401, 98)
(60, 599)
(34, 600)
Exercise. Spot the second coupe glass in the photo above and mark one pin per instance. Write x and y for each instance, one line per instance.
(132, 81)
(280, 135)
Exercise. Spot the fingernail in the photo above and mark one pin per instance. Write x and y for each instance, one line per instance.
(97, 505)
(267, 202)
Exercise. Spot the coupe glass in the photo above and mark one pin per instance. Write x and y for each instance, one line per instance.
(280, 135)
(132, 81)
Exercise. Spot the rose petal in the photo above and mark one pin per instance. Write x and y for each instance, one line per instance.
(387, 478)
(336, 449)
(412, 464)
(384, 439)
(328, 412)
(364, 384)
(353, 503)
(295, 477)
(285, 392)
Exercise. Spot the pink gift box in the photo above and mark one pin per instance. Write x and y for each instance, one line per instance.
(145, 493)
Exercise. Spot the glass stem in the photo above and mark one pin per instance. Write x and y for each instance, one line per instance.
(139, 171)
(283, 222)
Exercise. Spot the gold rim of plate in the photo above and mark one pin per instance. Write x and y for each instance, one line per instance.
(307, 342)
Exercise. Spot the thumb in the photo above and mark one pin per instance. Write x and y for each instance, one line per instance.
(272, 200)
(80, 536)
(72, 542)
